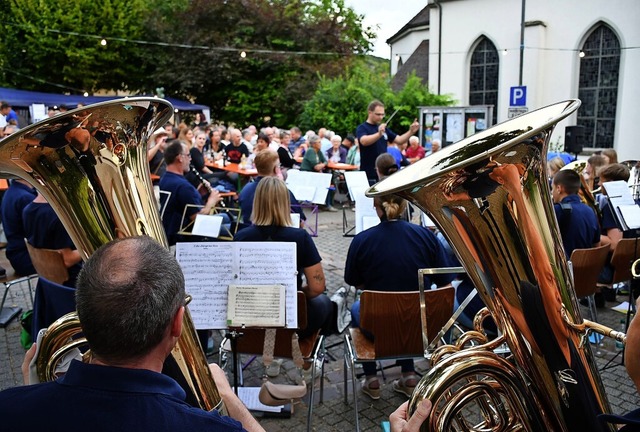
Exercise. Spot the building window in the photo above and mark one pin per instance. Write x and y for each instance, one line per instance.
(598, 87)
(483, 77)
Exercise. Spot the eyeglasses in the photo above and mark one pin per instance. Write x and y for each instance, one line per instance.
(186, 154)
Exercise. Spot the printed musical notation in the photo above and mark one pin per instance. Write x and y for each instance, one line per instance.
(210, 267)
(256, 306)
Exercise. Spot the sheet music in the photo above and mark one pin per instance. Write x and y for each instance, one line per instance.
(301, 184)
(207, 225)
(250, 396)
(356, 180)
(256, 306)
(210, 267)
(627, 211)
(364, 209)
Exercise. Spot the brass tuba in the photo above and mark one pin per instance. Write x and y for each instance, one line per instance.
(489, 195)
(91, 166)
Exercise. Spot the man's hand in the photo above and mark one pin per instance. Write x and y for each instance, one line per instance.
(382, 128)
(398, 419)
(25, 363)
(414, 126)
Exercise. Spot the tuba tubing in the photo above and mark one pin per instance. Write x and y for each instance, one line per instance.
(91, 166)
(489, 195)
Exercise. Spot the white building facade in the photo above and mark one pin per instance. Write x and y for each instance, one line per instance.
(586, 49)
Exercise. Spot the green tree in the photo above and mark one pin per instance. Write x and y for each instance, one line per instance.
(340, 103)
(286, 42)
(47, 41)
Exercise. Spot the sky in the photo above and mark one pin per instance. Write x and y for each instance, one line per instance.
(389, 15)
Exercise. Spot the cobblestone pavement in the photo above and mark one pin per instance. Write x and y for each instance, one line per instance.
(332, 414)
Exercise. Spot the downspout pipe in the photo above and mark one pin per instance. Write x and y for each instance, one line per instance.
(522, 24)
(439, 6)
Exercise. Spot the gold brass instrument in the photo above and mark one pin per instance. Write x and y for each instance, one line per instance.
(91, 166)
(634, 177)
(489, 195)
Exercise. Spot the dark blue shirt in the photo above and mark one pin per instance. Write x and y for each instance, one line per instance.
(43, 229)
(246, 201)
(387, 257)
(103, 398)
(306, 251)
(15, 199)
(182, 193)
(368, 154)
(579, 226)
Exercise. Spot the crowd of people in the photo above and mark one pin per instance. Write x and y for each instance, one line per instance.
(178, 156)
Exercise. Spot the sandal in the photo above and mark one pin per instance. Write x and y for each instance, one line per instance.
(406, 384)
(373, 393)
(273, 370)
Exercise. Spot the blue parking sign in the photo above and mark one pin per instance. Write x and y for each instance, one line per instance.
(518, 96)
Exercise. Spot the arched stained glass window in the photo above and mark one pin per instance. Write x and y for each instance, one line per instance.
(483, 76)
(598, 87)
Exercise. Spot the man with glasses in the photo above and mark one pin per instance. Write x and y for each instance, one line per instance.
(373, 136)
(182, 193)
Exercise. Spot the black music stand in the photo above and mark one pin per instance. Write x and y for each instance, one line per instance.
(615, 201)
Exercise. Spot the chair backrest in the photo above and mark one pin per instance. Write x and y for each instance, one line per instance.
(252, 339)
(52, 301)
(394, 319)
(626, 251)
(48, 263)
(587, 264)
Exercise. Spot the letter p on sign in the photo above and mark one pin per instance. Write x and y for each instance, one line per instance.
(518, 96)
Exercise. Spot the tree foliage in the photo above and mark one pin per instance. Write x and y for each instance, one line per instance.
(340, 103)
(45, 41)
(286, 43)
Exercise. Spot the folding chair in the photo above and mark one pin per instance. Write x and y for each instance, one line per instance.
(626, 251)
(394, 318)
(52, 300)
(312, 349)
(587, 264)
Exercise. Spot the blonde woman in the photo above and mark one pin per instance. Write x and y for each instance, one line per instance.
(387, 257)
(271, 219)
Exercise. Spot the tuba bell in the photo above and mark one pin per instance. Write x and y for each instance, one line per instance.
(91, 166)
(489, 195)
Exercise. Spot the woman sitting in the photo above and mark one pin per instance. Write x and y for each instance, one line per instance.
(387, 257)
(272, 222)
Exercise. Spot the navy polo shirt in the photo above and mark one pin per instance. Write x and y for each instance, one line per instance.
(182, 193)
(44, 229)
(368, 154)
(387, 257)
(578, 227)
(246, 201)
(104, 398)
(15, 199)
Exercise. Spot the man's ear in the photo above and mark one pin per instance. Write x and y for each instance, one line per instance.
(176, 323)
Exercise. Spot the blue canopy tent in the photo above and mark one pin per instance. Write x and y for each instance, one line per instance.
(25, 98)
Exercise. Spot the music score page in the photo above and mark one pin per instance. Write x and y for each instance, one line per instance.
(210, 267)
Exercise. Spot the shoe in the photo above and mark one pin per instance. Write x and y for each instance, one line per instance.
(3, 272)
(405, 385)
(609, 294)
(332, 209)
(273, 370)
(373, 393)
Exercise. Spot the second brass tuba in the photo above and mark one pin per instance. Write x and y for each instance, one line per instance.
(91, 166)
(489, 195)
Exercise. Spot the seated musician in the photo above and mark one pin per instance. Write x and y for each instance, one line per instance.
(43, 229)
(14, 200)
(130, 300)
(267, 164)
(387, 257)
(578, 222)
(611, 229)
(177, 158)
(272, 222)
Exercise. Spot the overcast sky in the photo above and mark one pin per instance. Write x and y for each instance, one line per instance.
(390, 16)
